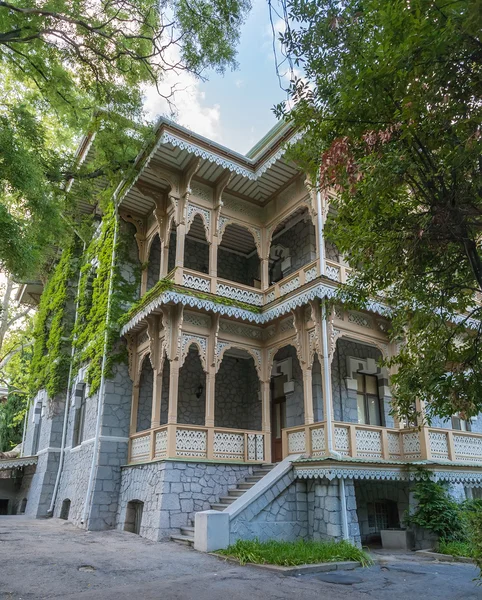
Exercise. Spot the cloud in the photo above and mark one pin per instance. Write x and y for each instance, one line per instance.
(186, 106)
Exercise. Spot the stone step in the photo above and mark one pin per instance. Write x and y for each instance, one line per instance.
(189, 531)
(219, 506)
(245, 486)
(258, 473)
(183, 539)
(226, 499)
(236, 493)
(253, 479)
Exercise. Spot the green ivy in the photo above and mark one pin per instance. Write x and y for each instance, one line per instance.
(52, 328)
(92, 326)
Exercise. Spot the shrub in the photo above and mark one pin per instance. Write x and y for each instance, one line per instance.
(436, 511)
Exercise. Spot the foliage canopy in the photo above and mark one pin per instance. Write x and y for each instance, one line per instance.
(389, 100)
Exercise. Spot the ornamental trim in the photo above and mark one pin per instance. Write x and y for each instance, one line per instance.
(17, 463)
(318, 291)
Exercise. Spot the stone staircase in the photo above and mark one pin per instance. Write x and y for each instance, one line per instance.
(187, 533)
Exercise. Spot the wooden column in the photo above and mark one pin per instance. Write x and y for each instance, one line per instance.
(180, 240)
(134, 407)
(264, 274)
(266, 418)
(210, 397)
(213, 263)
(173, 392)
(308, 396)
(156, 398)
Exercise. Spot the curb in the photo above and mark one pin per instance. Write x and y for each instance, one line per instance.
(297, 570)
(445, 557)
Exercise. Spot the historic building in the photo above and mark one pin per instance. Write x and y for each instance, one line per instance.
(246, 406)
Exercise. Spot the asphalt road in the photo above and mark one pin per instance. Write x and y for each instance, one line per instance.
(53, 559)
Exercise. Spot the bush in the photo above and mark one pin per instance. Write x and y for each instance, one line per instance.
(437, 512)
(294, 553)
(456, 548)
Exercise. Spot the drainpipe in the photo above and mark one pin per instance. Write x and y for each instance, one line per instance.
(344, 514)
(50, 511)
(24, 433)
(90, 485)
(324, 332)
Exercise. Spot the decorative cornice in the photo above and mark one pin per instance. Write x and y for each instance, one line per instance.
(393, 473)
(17, 463)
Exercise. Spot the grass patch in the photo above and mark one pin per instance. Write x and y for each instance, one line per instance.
(290, 554)
(456, 548)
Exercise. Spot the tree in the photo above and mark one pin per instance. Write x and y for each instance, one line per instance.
(69, 68)
(390, 103)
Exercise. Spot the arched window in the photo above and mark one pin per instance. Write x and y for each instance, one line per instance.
(144, 406)
(191, 404)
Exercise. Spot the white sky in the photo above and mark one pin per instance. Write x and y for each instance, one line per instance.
(234, 109)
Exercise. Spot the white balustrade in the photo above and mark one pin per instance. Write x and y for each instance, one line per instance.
(241, 294)
(140, 448)
(196, 281)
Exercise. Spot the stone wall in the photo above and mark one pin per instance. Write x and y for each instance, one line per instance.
(191, 409)
(281, 513)
(300, 240)
(324, 516)
(344, 399)
(237, 395)
(173, 491)
(239, 269)
(196, 255)
(144, 406)
(317, 386)
(154, 263)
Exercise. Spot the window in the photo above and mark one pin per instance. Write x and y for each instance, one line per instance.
(368, 402)
(79, 421)
(461, 424)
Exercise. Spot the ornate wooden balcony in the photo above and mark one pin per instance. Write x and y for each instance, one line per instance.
(193, 441)
(381, 443)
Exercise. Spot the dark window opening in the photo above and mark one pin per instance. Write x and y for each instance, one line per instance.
(134, 516)
(65, 510)
(79, 422)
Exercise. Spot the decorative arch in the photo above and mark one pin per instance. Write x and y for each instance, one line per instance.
(275, 349)
(223, 222)
(337, 334)
(221, 348)
(286, 217)
(188, 340)
(140, 361)
(204, 213)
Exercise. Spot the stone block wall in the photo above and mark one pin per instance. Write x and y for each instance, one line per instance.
(344, 399)
(173, 491)
(324, 516)
(144, 406)
(237, 268)
(191, 409)
(237, 395)
(196, 255)
(281, 513)
(154, 263)
(300, 240)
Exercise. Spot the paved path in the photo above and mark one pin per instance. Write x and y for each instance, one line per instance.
(53, 559)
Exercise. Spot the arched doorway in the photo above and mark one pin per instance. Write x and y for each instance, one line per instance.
(191, 403)
(287, 397)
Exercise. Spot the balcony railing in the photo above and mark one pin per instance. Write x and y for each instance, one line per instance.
(365, 441)
(337, 272)
(192, 441)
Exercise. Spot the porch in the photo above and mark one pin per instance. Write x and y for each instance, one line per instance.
(355, 440)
